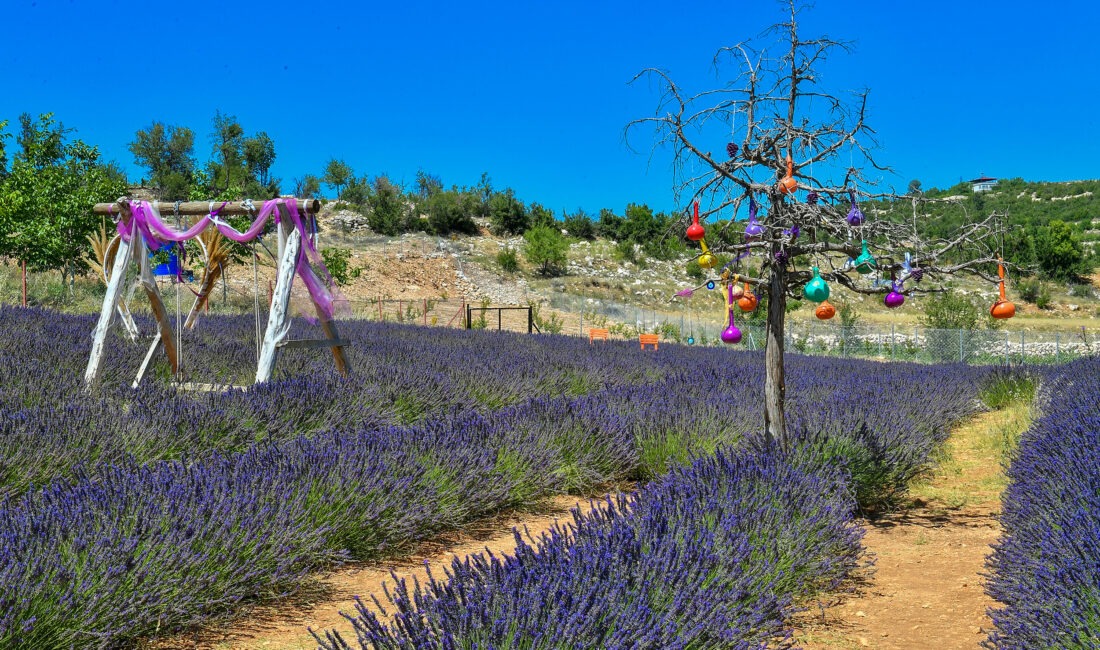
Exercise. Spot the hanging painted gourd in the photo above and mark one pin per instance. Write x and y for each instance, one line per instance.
(748, 301)
(753, 229)
(788, 184)
(825, 310)
(731, 334)
(855, 215)
(895, 298)
(695, 232)
(1003, 308)
(731, 149)
(707, 260)
(816, 290)
(865, 262)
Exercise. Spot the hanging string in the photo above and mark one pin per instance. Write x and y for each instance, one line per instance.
(179, 320)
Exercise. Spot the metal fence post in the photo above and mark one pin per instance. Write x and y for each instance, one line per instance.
(1006, 348)
(892, 340)
(1057, 344)
(961, 358)
(1023, 348)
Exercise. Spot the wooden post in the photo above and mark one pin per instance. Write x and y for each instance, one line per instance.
(202, 300)
(329, 328)
(110, 302)
(24, 283)
(149, 282)
(530, 320)
(280, 303)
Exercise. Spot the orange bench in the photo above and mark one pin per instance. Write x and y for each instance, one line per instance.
(649, 339)
(597, 333)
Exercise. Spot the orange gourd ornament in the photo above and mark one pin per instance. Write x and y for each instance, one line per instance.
(788, 184)
(825, 310)
(1003, 308)
(748, 301)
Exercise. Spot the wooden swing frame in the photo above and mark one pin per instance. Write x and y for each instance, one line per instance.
(290, 245)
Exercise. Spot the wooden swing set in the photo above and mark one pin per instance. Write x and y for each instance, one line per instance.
(139, 221)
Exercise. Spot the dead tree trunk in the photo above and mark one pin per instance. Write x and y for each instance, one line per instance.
(775, 422)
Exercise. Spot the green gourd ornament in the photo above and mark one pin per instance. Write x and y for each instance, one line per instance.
(865, 262)
(816, 290)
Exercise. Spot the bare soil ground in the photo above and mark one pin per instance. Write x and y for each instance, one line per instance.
(926, 589)
(284, 625)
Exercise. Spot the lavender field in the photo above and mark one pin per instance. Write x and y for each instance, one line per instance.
(1046, 570)
(130, 513)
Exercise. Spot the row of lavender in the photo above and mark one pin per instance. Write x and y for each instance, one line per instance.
(713, 555)
(1046, 568)
(401, 375)
(116, 550)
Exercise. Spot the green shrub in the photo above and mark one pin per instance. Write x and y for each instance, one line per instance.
(508, 261)
(546, 249)
(336, 261)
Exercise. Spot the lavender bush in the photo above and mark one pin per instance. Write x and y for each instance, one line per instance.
(1045, 571)
(712, 555)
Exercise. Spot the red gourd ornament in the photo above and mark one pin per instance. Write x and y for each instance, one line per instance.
(825, 310)
(695, 232)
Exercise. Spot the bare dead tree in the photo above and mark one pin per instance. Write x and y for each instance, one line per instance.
(783, 125)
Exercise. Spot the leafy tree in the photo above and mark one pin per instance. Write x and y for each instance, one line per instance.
(427, 185)
(337, 175)
(259, 156)
(914, 187)
(768, 101)
(357, 191)
(1059, 252)
(508, 214)
(453, 211)
(580, 225)
(610, 225)
(546, 249)
(168, 153)
(540, 216)
(307, 187)
(227, 169)
(387, 207)
(3, 152)
(46, 198)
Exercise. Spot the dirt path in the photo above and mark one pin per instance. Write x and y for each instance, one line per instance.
(283, 625)
(926, 590)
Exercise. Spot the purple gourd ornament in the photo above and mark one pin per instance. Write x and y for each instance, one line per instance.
(811, 198)
(731, 149)
(855, 215)
(895, 298)
(731, 334)
(753, 229)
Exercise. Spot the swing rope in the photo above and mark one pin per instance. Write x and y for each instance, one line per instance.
(179, 319)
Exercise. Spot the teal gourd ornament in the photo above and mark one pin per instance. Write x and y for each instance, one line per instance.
(865, 262)
(816, 290)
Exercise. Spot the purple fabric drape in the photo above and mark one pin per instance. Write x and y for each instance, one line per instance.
(146, 220)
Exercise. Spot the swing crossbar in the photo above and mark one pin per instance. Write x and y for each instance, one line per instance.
(192, 208)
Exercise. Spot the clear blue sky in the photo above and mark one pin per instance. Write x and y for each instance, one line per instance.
(537, 94)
